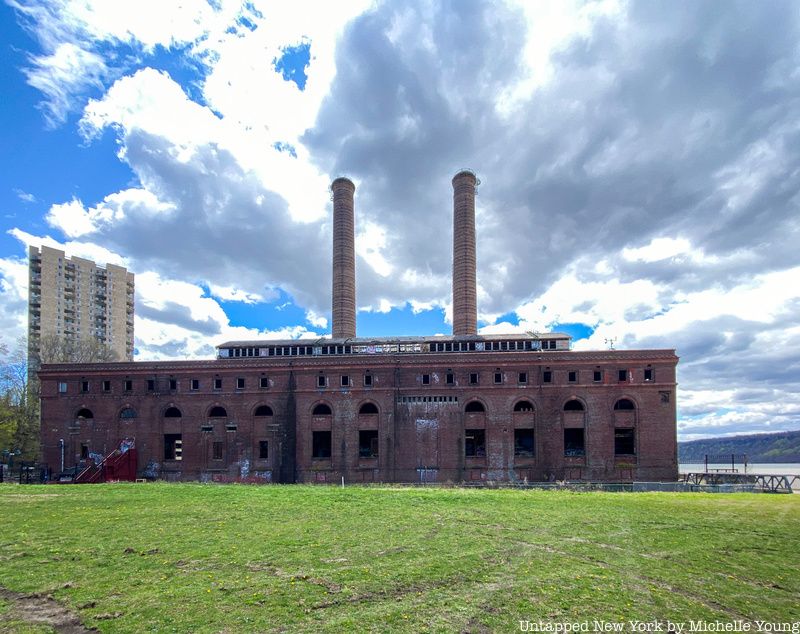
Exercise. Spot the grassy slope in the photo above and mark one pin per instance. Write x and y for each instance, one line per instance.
(192, 557)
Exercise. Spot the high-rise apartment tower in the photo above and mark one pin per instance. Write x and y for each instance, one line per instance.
(74, 300)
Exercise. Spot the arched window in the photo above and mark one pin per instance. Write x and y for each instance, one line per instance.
(263, 410)
(322, 410)
(84, 413)
(624, 403)
(127, 412)
(523, 406)
(368, 408)
(218, 412)
(573, 406)
(172, 412)
(474, 406)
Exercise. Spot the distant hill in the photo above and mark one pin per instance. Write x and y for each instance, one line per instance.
(779, 447)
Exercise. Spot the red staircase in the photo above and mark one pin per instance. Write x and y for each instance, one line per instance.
(119, 465)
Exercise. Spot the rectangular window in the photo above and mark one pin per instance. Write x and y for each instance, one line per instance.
(622, 375)
(321, 381)
(574, 443)
(128, 385)
(106, 386)
(240, 383)
(450, 378)
(572, 376)
(523, 377)
(624, 441)
(523, 442)
(368, 443)
(206, 428)
(263, 382)
(217, 384)
(173, 447)
(62, 387)
(173, 384)
(648, 374)
(216, 450)
(84, 452)
(473, 378)
(368, 379)
(498, 377)
(263, 449)
(84, 386)
(547, 376)
(151, 385)
(475, 443)
(195, 384)
(345, 380)
(597, 376)
(321, 444)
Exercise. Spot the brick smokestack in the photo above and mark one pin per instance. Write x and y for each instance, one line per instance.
(344, 259)
(465, 295)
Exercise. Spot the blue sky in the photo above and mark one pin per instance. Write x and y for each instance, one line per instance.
(639, 167)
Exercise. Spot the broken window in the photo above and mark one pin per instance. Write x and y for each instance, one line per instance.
(195, 384)
(172, 412)
(322, 409)
(84, 413)
(597, 376)
(263, 410)
(127, 412)
(321, 444)
(84, 452)
(574, 443)
(624, 403)
(572, 376)
(218, 412)
(474, 406)
(321, 382)
(624, 441)
(106, 386)
(523, 406)
(173, 384)
(368, 443)
(573, 405)
(216, 450)
(263, 449)
(664, 397)
(263, 382)
(547, 376)
(498, 377)
(523, 442)
(84, 386)
(151, 385)
(206, 428)
(173, 447)
(622, 375)
(367, 379)
(473, 378)
(648, 374)
(217, 384)
(475, 443)
(368, 408)
(522, 378)
(240, 383)
(345, 380)
(426, 379)
(449, 378)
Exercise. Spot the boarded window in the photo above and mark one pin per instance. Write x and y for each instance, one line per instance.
(574, 443)
(624, 441)
(263, 449)
(475, 443)
(173, 447)
(523, 442)
(321, 444)
(368, 443)
(216, 450)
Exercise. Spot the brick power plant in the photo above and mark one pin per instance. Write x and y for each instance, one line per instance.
(460, 408)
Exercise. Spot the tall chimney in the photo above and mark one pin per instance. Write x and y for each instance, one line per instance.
(344, 260)
(465, 295)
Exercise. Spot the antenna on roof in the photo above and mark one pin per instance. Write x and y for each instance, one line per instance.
(610, 342)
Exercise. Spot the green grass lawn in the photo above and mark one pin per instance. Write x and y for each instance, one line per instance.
(212, 558)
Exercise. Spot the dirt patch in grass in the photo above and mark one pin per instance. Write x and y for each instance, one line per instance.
(37, 609)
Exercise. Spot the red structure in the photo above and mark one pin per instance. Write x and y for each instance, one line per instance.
(118, 466)
(466, 407)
